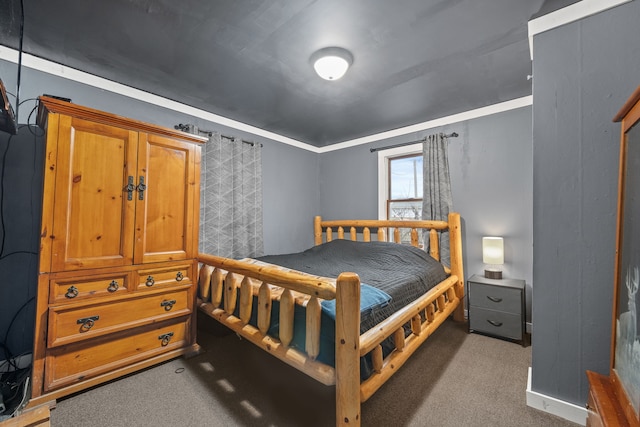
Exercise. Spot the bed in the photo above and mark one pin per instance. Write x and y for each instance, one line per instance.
(329, 322)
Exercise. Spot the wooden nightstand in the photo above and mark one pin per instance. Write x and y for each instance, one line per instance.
(496, 307)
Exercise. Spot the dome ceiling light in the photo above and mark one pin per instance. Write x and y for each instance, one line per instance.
(331, 63)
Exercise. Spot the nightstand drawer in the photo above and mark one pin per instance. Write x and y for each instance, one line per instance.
(496, 322)
(496, 298)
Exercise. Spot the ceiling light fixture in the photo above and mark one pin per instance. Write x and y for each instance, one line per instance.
(331, 63)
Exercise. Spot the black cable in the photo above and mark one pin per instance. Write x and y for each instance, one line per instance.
(8, 356)
(5, 342)
(4, 168)
(17, 253)
(27, 100)
(15, 316)
(20, 59)
(29, 126)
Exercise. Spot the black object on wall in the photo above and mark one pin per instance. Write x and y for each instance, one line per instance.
(21, 175)
(7, 115)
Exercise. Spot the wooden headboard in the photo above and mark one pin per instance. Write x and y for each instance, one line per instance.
(382, 229)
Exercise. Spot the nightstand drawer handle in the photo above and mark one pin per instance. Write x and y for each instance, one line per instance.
(150, 281)
(165, 338)
(179, 276)
(167, 304)
(494, 323)
(494, 299)
(87, 323)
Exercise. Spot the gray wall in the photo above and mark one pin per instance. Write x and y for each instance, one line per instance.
(583, 73)
(290, 177)
(491, 179)
(290, 198)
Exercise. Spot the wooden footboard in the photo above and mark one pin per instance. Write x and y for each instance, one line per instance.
(228, 289)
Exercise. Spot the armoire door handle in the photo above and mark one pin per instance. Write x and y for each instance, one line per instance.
(129, 188)
(141, 188)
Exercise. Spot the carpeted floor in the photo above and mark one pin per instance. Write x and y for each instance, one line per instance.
(454, 379)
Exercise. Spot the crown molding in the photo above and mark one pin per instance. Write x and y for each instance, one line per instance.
(59, 70)
(443, 121)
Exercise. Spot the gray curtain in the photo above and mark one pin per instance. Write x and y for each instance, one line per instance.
(231, 198)
(437, 201)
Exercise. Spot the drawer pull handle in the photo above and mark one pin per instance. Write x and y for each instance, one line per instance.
(494, 323)
(179, 276)
(165, 338)
(494, 299)
(150, 281)
(113, 286)
(87, 323)
(72, 292)
(167, 304)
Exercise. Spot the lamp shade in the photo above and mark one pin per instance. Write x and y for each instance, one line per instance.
(331, 63)
(493, 250)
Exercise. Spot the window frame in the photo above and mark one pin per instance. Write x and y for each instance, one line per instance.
(384, 177)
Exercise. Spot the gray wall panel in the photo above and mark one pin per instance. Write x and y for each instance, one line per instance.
(290, 198)
(349, 184)
(583, 73)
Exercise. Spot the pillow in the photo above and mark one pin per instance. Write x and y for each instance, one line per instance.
(370, 299)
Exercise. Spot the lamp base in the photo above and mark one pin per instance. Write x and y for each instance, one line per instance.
(493, 274)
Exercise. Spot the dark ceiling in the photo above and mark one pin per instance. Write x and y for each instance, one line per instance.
(248, 60)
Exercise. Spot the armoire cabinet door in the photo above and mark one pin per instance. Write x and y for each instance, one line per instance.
(93, 216)
(164, 223)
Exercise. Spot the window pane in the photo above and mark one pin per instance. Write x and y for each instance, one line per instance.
(405, 210)
(406, 177)
(408, 211)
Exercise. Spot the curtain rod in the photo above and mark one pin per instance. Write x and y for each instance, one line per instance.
(194, 129)
(402, 144)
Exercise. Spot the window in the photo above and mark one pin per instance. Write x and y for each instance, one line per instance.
(385, 158)
(400, 186)
(404, 200)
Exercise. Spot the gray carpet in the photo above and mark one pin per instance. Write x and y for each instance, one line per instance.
(454, 379)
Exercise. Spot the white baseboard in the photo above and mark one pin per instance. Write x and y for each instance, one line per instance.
(557, 407)
(21, 361)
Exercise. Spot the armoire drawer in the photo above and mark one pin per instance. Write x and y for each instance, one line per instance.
(76, 362)
(68, 290)
(72, 323)
(154, 278)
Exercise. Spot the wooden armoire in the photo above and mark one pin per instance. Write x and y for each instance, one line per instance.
(119, 238)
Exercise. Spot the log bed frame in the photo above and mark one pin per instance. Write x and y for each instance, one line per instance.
(220, 276)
